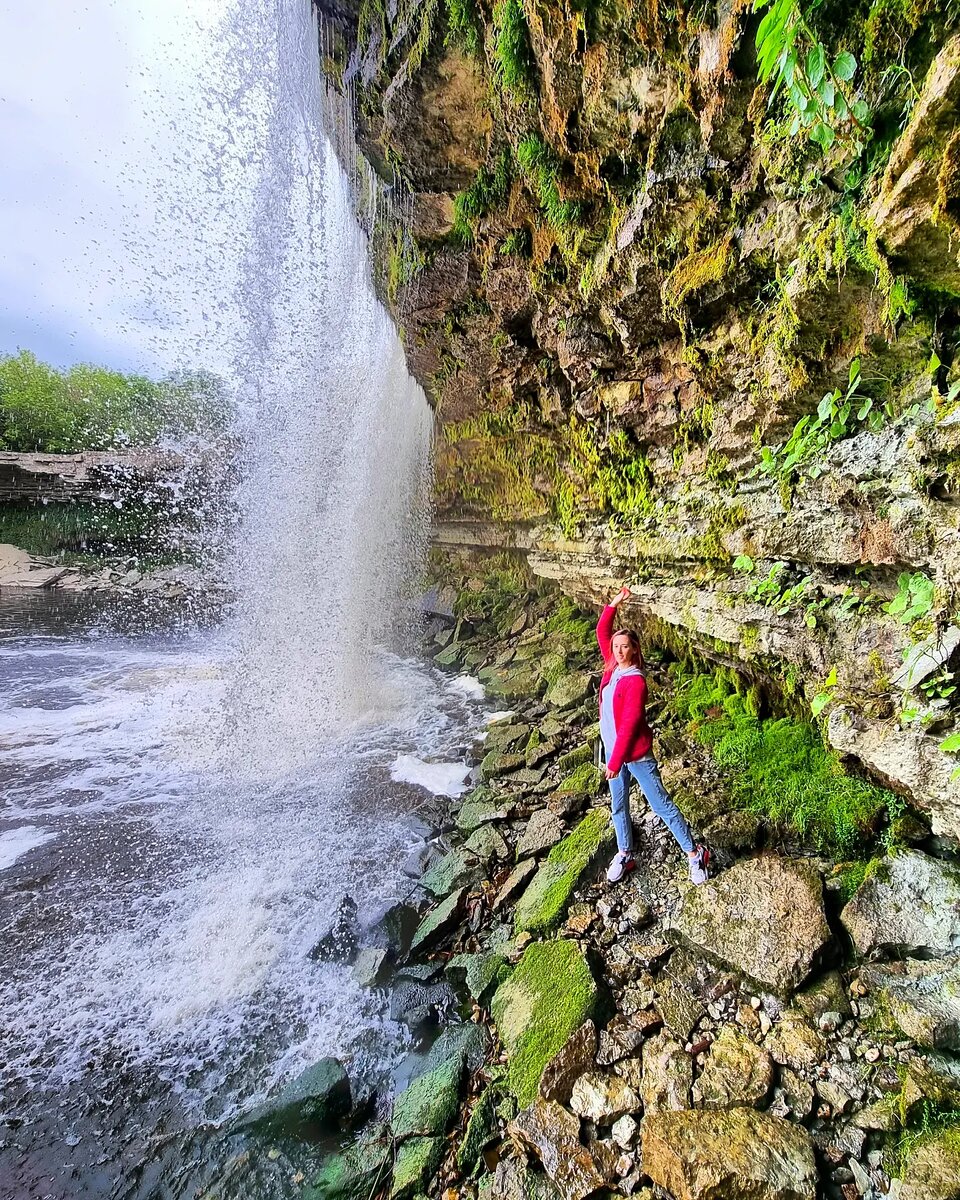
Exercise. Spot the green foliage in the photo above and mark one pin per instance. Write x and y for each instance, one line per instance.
(93, 408)
(518, 242)
(914, 599)
(929, 1121)
(852, 876)
(463, 28)
(512, 59)
(488, 191)
(542, 171)
(576, 628)
(819, 90)
(779, 769)
(838, 415)
(823, 698)
(69, 530)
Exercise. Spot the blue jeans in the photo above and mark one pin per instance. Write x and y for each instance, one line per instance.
(646, 772)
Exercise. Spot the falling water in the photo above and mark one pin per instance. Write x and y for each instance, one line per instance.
(183, 813)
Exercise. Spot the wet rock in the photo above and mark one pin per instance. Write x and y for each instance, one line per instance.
(416, 1003)
(554, 1136)
(797, 1093)
(679, 1007)
(429, 1104)
(416, 1161)
(480, 807)
(603, 1098)
(478, 972)
(356, 1172)
(933, 1171)
(466, 1043)
(909, 905)
(625, 1132)
(339, 942)
(764, 917)
(319, 1096)
(438, 922)
(923, 998)
(514, 882)
(570, 689)
(545, 899)
(565, 1068)
(795, 1042)
(550, 995)
(369, 964)
(624, 1037)
(740, 1152)
(517, 683)
(495, 764)
(667, 1075)
(514, 1180)
(826, 994)
(456, 869)
(483, 1127)
(543, 830)
(488, 845)
(736, 1072)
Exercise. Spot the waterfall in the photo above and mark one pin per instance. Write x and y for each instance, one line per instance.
(332, 501)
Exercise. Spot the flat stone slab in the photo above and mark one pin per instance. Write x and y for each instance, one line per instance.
(544, 829)
(438, 921)
(554, 1136)
(909, 904)
(570, 689)
(456, 869)
(549, 996)
(514, 882)
(479, 808)
(487, 843)
(698, 1155)
(736, 1072)
(764, 917)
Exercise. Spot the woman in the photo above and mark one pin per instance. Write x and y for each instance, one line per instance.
(628, 744)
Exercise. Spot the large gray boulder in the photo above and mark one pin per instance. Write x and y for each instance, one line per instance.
(319, 1096)
(764, 917)
(910, 904)
(739, 1154)
(923, 998)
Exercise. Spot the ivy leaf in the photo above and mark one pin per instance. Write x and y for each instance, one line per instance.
(790, 68)
(831, 679)
(840, 108)
(816, 64)
(861, 112)
(854, 374)
(798, 97)
(795, 126)
(837, 430)
(844, 66)
(951, 744)
(743, 562)
(934, 363)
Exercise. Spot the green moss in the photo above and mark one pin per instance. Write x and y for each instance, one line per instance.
(512, 60)
(541, 169)
(488, 191)
(463, 26)
(583, 780)
(357, 1172)
(416, 1161)
(576, 628)
(853, 875)
(428, 1105)
(575, 758)
(545, 900)
(547, 998)
(779, 769)
(928, 1122)
(695, 272)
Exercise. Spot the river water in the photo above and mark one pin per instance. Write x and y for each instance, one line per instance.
(183, 808)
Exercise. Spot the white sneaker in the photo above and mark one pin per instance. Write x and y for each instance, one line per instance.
(623, 863)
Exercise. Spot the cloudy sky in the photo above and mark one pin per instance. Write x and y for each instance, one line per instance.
(115, 224)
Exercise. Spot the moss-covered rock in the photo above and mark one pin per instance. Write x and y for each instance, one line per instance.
(479, 972)
(492, 1107)
(357, 1172)
(549, 995)
(545, 900)
(933, 1170)
(495, 763)
(320, 1095)
(454, 870)
(428, 1105)
(569, 689)
(479, 807)
(487, 844)
(438, 921)
(416, 1161)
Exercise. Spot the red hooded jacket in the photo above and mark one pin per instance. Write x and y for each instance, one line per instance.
(634, 739)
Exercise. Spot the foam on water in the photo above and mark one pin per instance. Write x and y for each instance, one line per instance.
(15, 843)
(440, 778)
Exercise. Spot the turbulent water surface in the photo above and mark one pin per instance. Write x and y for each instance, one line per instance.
(182, 810)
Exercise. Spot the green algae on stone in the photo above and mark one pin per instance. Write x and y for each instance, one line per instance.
(428, 1105)
(568, 690)
(487, 844)
(416, 1161)
(452, 871)
(437, 921)
(545, 900)
(492, 1107)
(584, 780)
(478, 971)
(495, 763)
(549, 995)
(480, 806)
(357, 1172)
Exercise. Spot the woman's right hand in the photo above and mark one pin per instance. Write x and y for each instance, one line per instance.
(623, 594)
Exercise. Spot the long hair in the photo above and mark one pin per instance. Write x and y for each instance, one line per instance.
(634, 640)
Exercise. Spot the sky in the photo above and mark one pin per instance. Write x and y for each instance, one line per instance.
(117, 240)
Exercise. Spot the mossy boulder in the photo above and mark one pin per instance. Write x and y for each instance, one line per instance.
(481, 806)
(357, 1172)
(764, 917)
(492, 1107)
(545, 900)
(454, 870)
(584, 780)
(319, 1096)
(428, 1105)
(416, 1161)
(696, 1155)
(550, 994)
(569, 689)
(495, 763)
(909, 905)
(479, 972)
(438, 921)
(933, 1171)
(518, 683)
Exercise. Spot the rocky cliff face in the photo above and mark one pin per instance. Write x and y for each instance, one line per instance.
(696, 328)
